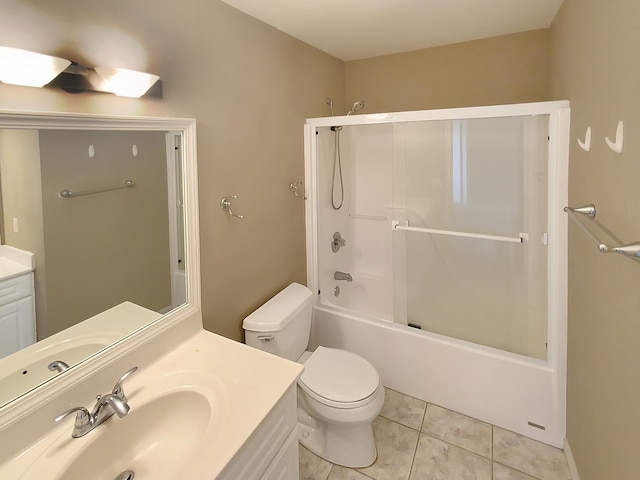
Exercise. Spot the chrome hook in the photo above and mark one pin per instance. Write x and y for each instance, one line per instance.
(225, 204)
(293, 187)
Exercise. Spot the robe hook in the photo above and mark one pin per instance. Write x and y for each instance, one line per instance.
(225, 204)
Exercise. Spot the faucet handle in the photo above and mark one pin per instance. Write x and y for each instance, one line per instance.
(82, 417)
(117, 388)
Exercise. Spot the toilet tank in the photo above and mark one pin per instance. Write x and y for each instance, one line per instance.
(282, 325)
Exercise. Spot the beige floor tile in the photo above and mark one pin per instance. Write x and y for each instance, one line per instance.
(403, 409)
(460, 430)
(342, 473)
(500, 472)
(312, 467)
(529, 456)
(438, 460)
(396, 445)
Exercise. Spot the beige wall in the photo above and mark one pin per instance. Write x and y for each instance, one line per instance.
(249, 86)
(106, 248)
(499, 70)
(596, 65)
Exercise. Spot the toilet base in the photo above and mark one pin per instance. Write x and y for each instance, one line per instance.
(348, 446)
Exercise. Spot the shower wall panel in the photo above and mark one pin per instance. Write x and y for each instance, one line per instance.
(363, 220)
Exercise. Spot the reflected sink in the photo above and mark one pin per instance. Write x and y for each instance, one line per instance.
(156, 440)
(28, 376)
(27, 368)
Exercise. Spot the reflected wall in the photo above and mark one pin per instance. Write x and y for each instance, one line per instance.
(92, 251)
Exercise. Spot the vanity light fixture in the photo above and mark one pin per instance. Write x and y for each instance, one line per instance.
(126, 83)
(21, 67)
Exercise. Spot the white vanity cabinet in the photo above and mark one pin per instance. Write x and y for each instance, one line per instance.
(17, 313)
(271, 453)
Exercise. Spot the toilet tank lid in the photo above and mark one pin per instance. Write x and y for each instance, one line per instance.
(279, 310)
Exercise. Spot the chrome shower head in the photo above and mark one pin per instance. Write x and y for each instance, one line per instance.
(356, 107)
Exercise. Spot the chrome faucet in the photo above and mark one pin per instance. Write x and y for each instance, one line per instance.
(343, 276)
(106, 405)
(58, 366)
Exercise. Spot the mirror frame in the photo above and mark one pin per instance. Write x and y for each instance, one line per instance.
(186, 317)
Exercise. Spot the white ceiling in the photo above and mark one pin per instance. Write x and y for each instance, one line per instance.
(355, 29)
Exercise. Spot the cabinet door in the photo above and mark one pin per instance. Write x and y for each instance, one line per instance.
(17, 326)
(285, 466)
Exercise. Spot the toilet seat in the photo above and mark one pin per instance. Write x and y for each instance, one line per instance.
(339, 378)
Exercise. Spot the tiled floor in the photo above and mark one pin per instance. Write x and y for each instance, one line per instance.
(420, 441)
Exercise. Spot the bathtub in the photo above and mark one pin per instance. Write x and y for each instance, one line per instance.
(508, 390)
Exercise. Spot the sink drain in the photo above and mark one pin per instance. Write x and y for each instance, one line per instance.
(126, 475)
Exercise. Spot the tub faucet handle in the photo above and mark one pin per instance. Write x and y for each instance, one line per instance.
(337, 241)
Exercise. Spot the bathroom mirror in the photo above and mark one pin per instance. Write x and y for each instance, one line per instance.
(113, 255)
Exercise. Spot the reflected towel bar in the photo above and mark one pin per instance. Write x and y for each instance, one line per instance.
(68, 193)
(631, 250)
(520, 239)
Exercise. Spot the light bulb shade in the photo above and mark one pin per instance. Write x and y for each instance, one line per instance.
(21, 67)
(126, 83)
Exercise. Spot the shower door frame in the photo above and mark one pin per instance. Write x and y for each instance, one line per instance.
(537, 387)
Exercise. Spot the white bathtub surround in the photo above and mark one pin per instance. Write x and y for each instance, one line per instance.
(413, 454)
(502, 357)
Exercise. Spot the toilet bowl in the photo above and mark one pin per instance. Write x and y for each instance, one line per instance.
(339, 393)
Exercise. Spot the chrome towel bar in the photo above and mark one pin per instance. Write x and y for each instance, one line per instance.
(68, 193)
(631, 250)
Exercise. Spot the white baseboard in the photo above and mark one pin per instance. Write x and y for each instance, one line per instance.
(573, 469)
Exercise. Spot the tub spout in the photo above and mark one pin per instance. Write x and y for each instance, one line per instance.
(343, 276)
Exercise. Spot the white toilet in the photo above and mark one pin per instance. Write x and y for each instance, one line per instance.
(339, 393)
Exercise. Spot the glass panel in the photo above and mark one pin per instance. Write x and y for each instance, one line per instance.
(486, 177)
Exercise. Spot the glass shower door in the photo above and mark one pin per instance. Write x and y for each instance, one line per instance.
(469, 230)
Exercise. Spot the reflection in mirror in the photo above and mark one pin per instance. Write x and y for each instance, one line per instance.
(107, 258)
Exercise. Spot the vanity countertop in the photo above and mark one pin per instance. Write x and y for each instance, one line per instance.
(242, 384)
(14, 262)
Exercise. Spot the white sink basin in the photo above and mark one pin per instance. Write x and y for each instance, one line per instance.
(192, 411)
(158, 439)
(155, 440)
